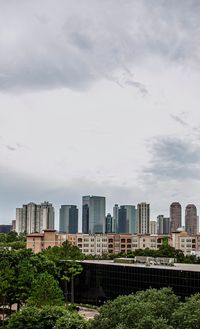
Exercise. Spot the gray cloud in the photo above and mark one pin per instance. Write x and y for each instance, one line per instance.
(11, 148)
(47, 45)
(179, 120)
(174, 158)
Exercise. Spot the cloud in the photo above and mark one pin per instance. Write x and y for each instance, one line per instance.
(46, 45)
(174, 158)
(179, 120)
(11, 148)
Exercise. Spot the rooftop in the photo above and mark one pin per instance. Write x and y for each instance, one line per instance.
(176, 267)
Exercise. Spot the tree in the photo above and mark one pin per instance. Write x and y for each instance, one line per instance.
(72, 321)
(145, 309)
(187, 316)
(47, 317)
(45, 291)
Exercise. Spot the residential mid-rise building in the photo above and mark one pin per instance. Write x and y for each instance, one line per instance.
(93, 214)
(108, 227)
(143, 218)
(163, 225)
(40, 241)
(191, 219)
(34, 217)
(175, 216)
(68, 219)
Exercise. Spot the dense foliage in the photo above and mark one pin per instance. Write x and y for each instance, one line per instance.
(150, 309)
(13, 240)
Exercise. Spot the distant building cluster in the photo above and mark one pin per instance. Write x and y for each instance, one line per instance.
(34, 217)
(125, 219)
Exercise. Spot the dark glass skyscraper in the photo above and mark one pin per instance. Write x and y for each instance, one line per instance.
(93, 214)
(109, 220)
(68, 221)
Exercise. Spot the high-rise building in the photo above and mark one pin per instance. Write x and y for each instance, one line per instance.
(153, 227)
(109, 220)
(93, 214)
(191, 219)
(175, 216)
(68, 220)
(127, 219)
(122, 225)
(143, 218)
(115, 218)
(33, 217)
(163, 225)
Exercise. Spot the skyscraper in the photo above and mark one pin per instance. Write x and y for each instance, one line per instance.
(191, 219)
(33, 217)
(115, 218)
(68, 220)
(163, 225)
(143, 218)
(109, 219)
(93, 214)
(175, 216)
(127, 219)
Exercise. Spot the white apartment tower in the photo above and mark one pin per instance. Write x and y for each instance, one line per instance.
(33, 217)
(143, 218)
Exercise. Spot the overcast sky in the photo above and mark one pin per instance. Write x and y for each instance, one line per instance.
(99, 97)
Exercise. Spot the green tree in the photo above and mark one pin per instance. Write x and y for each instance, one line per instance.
(6, 279)
(187, 316)
(46, 317)
(71, 321)
(45, 291)
(145, 309)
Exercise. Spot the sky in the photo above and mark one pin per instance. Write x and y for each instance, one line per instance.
(101, 98)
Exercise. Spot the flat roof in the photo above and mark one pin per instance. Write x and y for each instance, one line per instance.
(176, 267)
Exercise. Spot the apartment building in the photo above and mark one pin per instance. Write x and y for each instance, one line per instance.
(40, 241)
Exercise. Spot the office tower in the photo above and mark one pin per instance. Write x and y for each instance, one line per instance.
(122, 226)
(127, 219)
(68, 221)
(163, 225)
(153, 227)
(175, 216)
(191, 219)
(34, 217)
(109, 219)
(115, 218)
(143, 217)
(93, 214)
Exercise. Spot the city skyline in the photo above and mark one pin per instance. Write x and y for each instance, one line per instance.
(99, 97)
(124, 218)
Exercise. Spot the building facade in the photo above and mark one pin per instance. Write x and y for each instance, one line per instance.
(93, 214)
(109, 226)
(163, 225)
(191, 219)
(175, 216)
(68, 219)
(34, 217)
(153, 227)
(143, 218)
